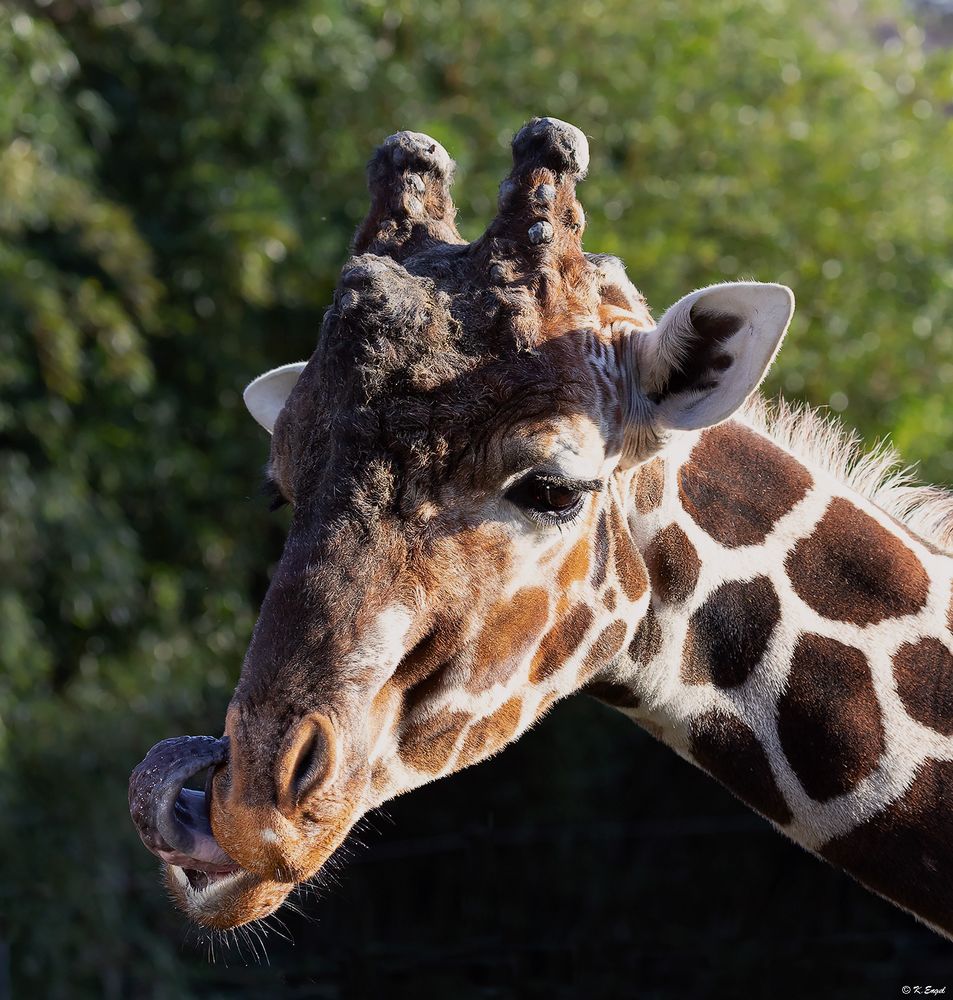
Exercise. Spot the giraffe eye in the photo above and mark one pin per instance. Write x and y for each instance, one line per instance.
(548, 500)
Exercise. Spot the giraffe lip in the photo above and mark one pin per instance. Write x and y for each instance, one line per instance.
(201, 879)
(189, 863)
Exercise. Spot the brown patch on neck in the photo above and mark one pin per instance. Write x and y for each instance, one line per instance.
(730, 752)
(560, 642)
(905, 852)
(924, 675)
(650, 486)
(647, 640)
(829, 720)
(673, 565)
(736, 484)
(729, 633)
(547, 703)
(629, 568)
(852, 569)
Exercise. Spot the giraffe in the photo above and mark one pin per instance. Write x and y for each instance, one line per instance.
(510, 484)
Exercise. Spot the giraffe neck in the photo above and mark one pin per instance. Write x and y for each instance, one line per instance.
(798, 648)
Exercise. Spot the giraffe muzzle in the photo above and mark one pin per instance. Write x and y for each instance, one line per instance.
(172, 820)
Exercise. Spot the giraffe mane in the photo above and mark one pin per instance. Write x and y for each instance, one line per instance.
(879, 474)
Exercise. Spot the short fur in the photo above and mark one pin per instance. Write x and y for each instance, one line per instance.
(474, 537)
(823, 442)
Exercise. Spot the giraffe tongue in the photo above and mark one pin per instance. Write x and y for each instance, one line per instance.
(172, 820)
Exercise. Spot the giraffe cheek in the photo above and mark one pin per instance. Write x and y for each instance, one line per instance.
(604, 650)
(560, 643)
(511, 628)
(575, 566)
(427, 746)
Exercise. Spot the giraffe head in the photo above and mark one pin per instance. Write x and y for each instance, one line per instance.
(458, 453)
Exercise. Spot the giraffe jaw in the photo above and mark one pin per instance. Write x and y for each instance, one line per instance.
(224, 900)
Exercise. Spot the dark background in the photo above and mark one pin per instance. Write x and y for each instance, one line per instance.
(178, 186)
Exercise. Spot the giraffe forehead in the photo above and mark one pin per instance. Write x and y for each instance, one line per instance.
(450, 365)
(414, 471)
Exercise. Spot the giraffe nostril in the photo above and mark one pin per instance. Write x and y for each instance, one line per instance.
(307, 763)
(305, 771)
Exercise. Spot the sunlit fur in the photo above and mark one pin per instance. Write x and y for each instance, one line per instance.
(823, 442)
(419, 620)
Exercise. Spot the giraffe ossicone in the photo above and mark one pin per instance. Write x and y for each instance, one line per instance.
(510, 484)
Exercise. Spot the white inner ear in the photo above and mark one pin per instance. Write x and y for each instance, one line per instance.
(265, 397)
(764, 312)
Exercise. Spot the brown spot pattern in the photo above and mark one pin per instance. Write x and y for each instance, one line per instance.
(647, 640)
(560, 642)
(729, 751)
(650, 486)
(629, 568)
(575, 566)
(427, 746)
(736, 484)
(924, 675)
(605, 648)
(546, 703)
(828, 717)
(426, 657)
(601, 554)
(729, 633)
(491, 733)
(510, 628)
(851, 569)
(905, 851)
(673, 564)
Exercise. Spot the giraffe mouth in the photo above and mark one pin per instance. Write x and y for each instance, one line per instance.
(172, 820)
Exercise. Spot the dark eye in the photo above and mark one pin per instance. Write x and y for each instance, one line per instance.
(547, 499)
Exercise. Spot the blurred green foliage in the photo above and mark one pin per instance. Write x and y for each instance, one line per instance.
(178, 186)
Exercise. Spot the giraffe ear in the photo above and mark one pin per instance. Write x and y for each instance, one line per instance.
(710, 351)
(266, 395)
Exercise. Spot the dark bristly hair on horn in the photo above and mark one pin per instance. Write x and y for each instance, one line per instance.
(534, 245)
(526, 277)
(409, 178)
